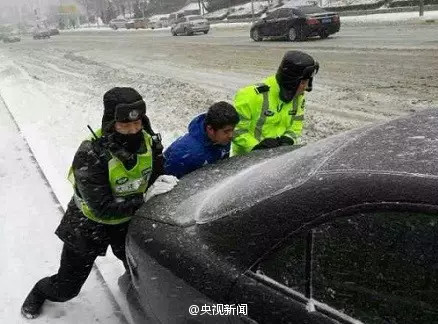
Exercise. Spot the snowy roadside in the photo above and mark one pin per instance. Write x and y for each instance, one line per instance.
(28, 247)
(53, 141)
(411, 16)
(396, 17)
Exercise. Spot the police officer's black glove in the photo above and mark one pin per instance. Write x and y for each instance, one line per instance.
(267, 143)
(285, 140)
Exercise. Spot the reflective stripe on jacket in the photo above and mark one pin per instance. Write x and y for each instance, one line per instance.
(263, 115)
(123, 182)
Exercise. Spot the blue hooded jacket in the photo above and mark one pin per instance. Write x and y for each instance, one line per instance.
(193, 150)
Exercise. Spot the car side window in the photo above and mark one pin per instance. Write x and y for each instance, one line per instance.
(378, 268)
(285, 13)
(287, 265)
(272, 15)
(374, 267)
(297, 13)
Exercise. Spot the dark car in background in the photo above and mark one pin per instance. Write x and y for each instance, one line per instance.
(190, 25)
(344, 230)
(53, 31)
(296, 23)
(40, 33)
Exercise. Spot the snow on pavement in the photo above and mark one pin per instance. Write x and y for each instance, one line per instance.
(29, 249)
(388, 17)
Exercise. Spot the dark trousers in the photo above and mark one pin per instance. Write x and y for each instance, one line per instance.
(73, 272)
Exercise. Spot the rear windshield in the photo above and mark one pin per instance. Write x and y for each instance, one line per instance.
(195, 18)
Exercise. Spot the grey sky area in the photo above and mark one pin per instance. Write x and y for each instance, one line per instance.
(35, 2)
(12, 11)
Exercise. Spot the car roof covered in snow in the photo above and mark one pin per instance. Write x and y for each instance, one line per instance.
(405, 145)
(400, 153)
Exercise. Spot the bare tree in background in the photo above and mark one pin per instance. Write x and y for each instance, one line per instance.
(138, 12)
(123, 6)
(110, 11)
(86, 4)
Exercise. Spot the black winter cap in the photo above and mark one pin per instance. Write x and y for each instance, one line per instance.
(119, 96)
(295, 66)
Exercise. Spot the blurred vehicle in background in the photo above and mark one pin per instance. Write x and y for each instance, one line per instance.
(136, 23)
(164, 22)
(39, 33)
(118, 23)
(296, 23)
(11, 38)
(53, 31)
(189, 25)
(152, 24)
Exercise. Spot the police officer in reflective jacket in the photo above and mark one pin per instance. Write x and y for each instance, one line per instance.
(272, 113)
(112, 173)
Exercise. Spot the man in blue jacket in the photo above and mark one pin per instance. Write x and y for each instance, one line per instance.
(207, 141)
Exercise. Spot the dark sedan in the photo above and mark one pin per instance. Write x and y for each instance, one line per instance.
(296, 23)
(344, 230)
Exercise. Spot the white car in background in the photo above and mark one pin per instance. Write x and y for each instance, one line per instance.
(189, 25)
(118, 23)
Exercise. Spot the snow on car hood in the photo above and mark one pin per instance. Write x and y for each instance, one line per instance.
(238, 183)
(405, 145)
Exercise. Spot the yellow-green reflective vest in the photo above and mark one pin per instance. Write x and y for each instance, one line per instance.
(264, 115)
(123, 182)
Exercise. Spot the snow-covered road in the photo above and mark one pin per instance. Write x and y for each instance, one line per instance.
(54, 88)
(368, 72)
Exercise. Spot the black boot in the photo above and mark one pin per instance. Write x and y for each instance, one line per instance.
(32, 305)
